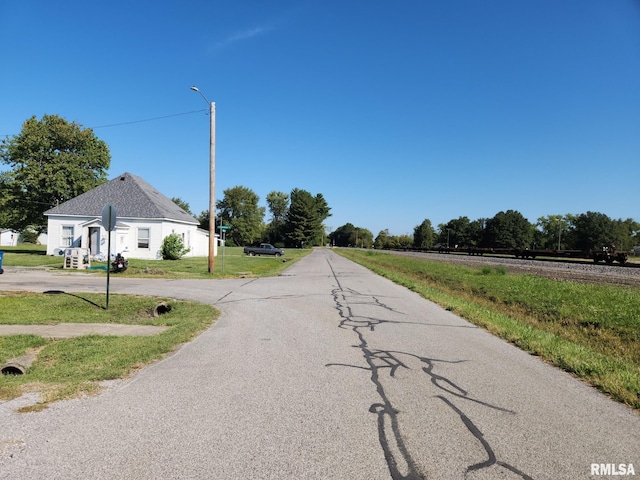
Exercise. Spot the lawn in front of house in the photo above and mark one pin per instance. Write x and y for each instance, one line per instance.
(229, 263)
(67, 368)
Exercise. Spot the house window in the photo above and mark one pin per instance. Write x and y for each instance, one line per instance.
(67, 236)
(143, 238)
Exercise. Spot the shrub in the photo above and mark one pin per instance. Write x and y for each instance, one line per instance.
(29, 236)
(173, 247)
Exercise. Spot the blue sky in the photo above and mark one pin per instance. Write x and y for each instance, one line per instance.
(394, 111)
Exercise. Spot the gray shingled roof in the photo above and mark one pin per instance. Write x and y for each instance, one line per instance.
(131, 196)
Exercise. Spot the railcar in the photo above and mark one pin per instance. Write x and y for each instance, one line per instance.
(608, 255)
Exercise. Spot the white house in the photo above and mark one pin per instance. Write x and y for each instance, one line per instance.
(144, 217)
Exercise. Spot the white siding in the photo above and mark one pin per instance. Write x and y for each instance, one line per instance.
(55, 232)
(124, 239)
(9, 238)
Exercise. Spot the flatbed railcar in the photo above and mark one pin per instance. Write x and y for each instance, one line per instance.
(607, 255)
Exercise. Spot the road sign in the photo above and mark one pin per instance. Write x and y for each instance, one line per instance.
(224, 227)
(108, 223)
(109, 217)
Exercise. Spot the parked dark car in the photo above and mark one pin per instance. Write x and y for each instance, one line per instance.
(264, 249)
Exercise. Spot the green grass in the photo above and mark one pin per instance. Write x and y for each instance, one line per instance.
(71, 367)
(590, 330)
(68, 368)
(29, 255)
(235, 263)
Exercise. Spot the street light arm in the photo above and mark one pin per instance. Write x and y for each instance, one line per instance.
(195, 89)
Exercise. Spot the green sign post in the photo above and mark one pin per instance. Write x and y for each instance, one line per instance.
(109, 224)
(223, 229)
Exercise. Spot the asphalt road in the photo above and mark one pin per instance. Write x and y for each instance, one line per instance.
(326, 372)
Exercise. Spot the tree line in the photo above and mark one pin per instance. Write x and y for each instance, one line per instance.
(296, 219)
(507, 229)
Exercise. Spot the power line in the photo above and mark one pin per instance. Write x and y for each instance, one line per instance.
(150, 119)
(133, 121)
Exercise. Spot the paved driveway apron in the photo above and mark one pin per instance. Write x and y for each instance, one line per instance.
(326, 372)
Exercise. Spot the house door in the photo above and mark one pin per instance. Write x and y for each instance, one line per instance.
(94, 240)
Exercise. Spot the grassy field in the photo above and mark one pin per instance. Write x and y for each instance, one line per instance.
(71, 367)
(233, 264)
(28, 255)
(592, 331)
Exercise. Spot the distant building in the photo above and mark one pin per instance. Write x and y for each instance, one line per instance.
(11, 238)
(144, 218)
(8, 238)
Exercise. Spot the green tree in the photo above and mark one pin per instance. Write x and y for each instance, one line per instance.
(476, 232)
(305, 217)
(278, 205)
(349, 235)
(383, 240)
(51, 161)
(461, 232)
(239, 208)
(341, 236)
(364, 238)
(403, 241)
(508, 230)
(626, 233)
(203, 218)
(553, 230)
(386, 241)
(8, 213)
(423, 234)
(182, 204)
(592, 230)
(322, 207)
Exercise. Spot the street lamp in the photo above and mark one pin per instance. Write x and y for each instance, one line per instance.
(212, 177)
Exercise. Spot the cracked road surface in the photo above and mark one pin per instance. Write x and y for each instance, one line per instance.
(326, 372)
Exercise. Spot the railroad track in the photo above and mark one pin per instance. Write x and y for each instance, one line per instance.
(569, 269)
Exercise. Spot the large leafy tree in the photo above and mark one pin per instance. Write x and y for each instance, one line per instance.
(342, 236)
(508, 230)
(386, 241)
(627, 233)
(51, 161)
(461, 232)
(203, 218)
(363, 238)
(7, 213)
(552, 232)
(278, 205)
(349, 235)
(423, 234)
(305, 217)
(383, 240)
(593, 230)
(239, 208)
